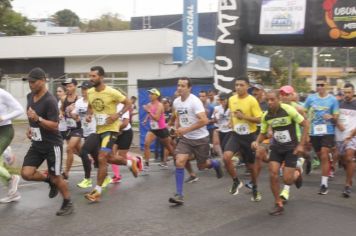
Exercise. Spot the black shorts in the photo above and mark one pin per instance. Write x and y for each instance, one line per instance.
(224, 137)
(107, 141)
(242, 144)
(37, 154)
(284, 155)
(73, 133)
(124, 140)
(160, 133)
(318, 142)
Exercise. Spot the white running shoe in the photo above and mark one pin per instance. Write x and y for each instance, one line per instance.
(11, 198)
(13, 184)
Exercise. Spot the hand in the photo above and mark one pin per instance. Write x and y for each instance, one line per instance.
(254, 145)
(147, 107)
(29, 134)
(299, 150)
(88, 118)
(239, 115)
(181, 131)
(112, 118)
(32, 115)
(327, 117)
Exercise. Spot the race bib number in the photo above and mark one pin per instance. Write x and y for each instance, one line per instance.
(184, 121)
(242, 129)
(320, 129)
(100, 119)
(344, 120)
(282, 136)
(71, 123)
(154, 124)
(36, 134)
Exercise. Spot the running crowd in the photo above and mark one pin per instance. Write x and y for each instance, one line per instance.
(251, 125)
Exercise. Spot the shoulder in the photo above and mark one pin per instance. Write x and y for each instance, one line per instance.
(91, 90)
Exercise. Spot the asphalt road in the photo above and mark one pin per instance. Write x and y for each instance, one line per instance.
(139, 206)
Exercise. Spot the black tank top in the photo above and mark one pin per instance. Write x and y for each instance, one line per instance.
(66, 104)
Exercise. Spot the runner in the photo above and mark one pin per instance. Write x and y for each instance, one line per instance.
(323, 110)
(345, 142)
(62, 126)
(285, 147)
(245, 115)
(42, 113)
(74, 131)
(102, 105)
(158, 126)
(9, 109)
(88, 151)
(194, 136)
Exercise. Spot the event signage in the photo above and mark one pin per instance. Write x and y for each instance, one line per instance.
(282, 17)
(190, 30)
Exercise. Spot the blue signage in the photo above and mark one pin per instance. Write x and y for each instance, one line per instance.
(190, 30)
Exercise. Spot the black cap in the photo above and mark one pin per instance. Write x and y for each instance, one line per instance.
(69, 81)
(35, 74)
(86, 85)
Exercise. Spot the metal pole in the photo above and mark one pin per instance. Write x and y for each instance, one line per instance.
(290, 67)
(314, 68)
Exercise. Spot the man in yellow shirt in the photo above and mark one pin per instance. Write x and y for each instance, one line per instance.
(103, 101)
(245, 115)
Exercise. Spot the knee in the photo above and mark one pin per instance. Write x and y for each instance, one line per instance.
(227, 158)
(26, 175)
(274, 175)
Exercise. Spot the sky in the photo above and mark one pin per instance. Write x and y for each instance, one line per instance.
(91, 9)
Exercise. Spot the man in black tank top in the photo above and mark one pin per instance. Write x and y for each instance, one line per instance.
(47, 143)
(74, 131)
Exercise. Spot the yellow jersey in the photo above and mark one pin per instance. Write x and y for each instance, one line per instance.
(104, 104)
(248, 106)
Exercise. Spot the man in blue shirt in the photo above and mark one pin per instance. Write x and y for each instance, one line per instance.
(323, 110)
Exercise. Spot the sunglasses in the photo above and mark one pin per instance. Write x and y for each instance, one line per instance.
(320, 85)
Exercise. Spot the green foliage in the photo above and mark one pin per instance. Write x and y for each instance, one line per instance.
(14, 24)
(107, 22)
(66, 17)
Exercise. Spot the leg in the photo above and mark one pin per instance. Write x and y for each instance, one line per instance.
(274, 180)
(150, 137)
(72, 147)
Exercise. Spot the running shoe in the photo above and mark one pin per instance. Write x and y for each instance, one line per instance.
(249, 185)
(191, 179)
(235, 187)
(66, 209)
(145, 170)
(53, 191)
(256, 196)
(11, 198)
(323, 190)
(315, 163)
(163, 165)
(284, 195)
(93, 196)
(13, 184)
(277, 210)
(85, 183)
(139, 162)
(299, 181)
(177, 199)
(134, 167)
(331, 173)
(106, 182)
(116, 180)
(219, 171)
(300, 163)
(347, 192)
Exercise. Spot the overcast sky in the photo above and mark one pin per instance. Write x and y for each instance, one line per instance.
(90, 9)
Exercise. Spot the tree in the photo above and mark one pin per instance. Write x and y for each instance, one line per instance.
(66, 18)
(14, 24)
(107, 22)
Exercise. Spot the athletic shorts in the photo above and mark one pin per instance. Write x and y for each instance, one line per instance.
(318, 142)
(284, 155)
(242, 144)
(124, 139)
(73, 133)
(160, 133)
(342, 147)
(37, 154)
(224, 138)
(199, 147)
(107, 141)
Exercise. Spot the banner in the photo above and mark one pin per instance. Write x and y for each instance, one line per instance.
(282, 17)
(190, 30)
